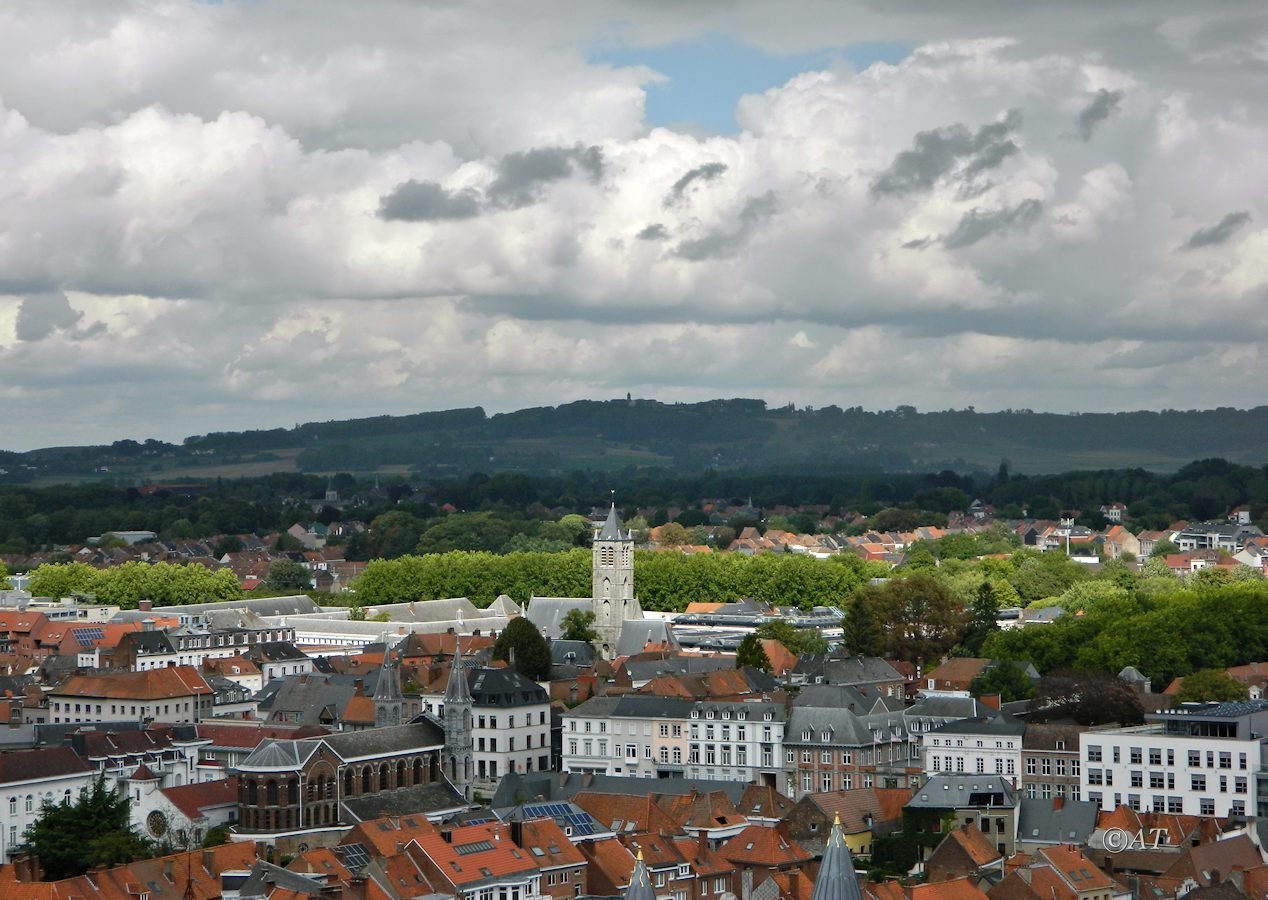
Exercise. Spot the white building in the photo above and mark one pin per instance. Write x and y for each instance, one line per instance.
(1199, 759)
(30, 778)
(653, 737)
(510, 724)
(983, 745)
(174, 695)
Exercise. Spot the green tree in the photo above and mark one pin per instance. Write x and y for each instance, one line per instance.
(94, 830)
(1210, 684)
(983, 618)
(4, 580)
(60, 580)
(578, 625)
(1162, 548)
(1006, 678)
(862, 629)
(288, 575)
(752, 653)
(521, 639)
(919, 619)
(671, 535)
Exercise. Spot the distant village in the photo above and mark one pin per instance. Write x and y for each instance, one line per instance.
(275, 747)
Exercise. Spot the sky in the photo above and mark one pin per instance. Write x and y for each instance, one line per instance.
(220, 216)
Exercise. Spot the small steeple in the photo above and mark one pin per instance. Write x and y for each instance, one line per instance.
(388, 701)
(456, 690)
(836, 879)
(640, 882)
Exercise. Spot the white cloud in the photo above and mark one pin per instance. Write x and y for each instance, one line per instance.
(193, 197)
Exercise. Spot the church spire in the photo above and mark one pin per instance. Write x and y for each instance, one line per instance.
(612, 527)
(388, 701)
(457, 724)
(640, 882)
(456, 689)
(836, 879)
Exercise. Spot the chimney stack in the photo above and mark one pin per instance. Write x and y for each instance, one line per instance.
(145, 605)
(1058, 803)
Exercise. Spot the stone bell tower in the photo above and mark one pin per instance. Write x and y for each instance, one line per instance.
(612, 571)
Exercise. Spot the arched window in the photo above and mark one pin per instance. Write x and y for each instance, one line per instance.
(367, 780)
(347, 782)
(292, 791)
(418, 770)
(270, 793)
(400, 773)
(383, 776)
(253, 793)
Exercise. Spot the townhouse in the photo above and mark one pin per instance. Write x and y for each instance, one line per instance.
(31, 778)
(650, 736)
(980, 745)
(1050, 763)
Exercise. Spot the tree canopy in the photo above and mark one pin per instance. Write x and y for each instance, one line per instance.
(524, 649)
(1210, 684)
(288, 575)
(578, 625)
(93, 830)
(752, 653)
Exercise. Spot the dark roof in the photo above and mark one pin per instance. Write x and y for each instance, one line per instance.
(996, 725)
(503, 688)
(384, 741)
(1040, 821)
(515, 788)
(276, 650)
(836, 879)
(27, 765)
(571, 653)
(421, 799)
(947, 791)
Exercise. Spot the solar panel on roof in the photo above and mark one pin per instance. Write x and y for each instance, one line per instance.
(354, 856)
(88, 635)
(474, 847)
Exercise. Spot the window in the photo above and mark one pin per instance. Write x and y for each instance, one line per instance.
(1206, 806)
(1047, 766)
(1175, 804)
(805, 756)
(805, 781)
(1197, 782)
(1226, 760)
(826, 782)
(1030, 765)
(664, 729)
(1137, 778)
(1156, 780)
(792, 756)
(1093, 753)
(1094, 776)
(1135, 755)
(825, 757)
(1155, 757)
(1195, 759)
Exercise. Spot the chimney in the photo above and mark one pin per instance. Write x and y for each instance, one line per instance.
(145, 605)
(167, 869)
(991, 700)
(1057, 803)
(358, 688)
(356, 888)
(209, 861)
(517, 833)
(794, 876)
(26, 868)
(147, 624)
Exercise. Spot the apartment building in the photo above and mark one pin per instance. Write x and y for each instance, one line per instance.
(1050, 764)
(982, 745)
(652, 737)
(176, 695)
(1198, 759)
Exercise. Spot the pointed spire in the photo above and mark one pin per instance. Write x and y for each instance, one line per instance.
(836, 879)
(640, 882)
(388, 688)
(612, 528)
(456, 690)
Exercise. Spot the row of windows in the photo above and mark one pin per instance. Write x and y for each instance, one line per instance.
(1169, 804)
(117, 709)
(956, 764)
(959, 742)
(1047, 766)
(32, 799)
(510, 742)
(832, 781)
(1046, 790)
(510, 719)
(1135, 756)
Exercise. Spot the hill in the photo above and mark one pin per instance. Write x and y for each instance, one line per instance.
(684, 437)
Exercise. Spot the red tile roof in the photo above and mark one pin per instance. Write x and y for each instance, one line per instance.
(152, 684)
(758, 845)
(194, 799)
(474, 853)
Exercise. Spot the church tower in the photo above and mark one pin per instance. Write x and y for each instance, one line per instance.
(457, 721)
(612, 571)
(388, 701)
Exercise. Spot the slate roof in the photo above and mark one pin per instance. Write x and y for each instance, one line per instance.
(998, 725)
(638, 633)
(29, 765)
(571, 653)
(296, 604)
(953, 791)
(640, 886)
(547, 613)
(1040, 821)
(421, 799)
(612, 529)
(532, 787)
(503, 688)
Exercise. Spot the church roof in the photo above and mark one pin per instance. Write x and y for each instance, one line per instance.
(388, 688)
(611, 530)
(836, 879)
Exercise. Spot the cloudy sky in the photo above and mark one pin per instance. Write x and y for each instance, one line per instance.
(248, 214)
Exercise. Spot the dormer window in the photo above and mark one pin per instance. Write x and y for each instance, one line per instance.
(709, 714)
(827, 736)
(741, 715)
(768, 716)
(695, 714)
(805, 735)
(726, 714)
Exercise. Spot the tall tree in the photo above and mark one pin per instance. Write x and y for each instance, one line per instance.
(983, 618)
(798, 641)
(288, 575)
(94, 830)
(862, 630)
(1210, 684)
(521, 639)
(752, 653)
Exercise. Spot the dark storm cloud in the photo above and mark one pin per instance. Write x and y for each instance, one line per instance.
(40, 315)
(427, 201)
(654, 232)
(706, 172)
(521, 175)
(938, 152)
(1218, 233)
(1103, 105)
(977, 225)
(721, 243)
